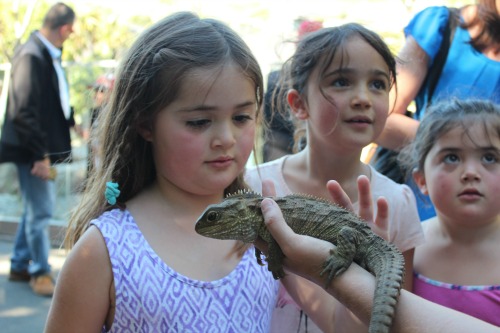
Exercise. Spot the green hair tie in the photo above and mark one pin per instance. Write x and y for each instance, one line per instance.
(112, 192)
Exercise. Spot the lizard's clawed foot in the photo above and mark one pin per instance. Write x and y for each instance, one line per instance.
(334, 267)
(275, 260)
(278, 273)
(258, 256)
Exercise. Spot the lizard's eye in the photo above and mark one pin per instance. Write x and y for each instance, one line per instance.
(212, 216)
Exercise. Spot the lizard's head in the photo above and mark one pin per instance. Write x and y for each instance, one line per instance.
(237, 217)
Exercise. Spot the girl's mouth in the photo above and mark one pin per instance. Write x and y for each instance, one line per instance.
(221, 162)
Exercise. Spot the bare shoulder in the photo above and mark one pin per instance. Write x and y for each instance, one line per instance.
(90, 255)
(82, 298)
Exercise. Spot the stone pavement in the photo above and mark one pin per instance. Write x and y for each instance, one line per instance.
(21, 311)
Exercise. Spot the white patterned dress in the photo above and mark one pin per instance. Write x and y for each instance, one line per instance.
(152, 297)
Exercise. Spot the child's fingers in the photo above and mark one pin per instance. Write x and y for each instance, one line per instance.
(268, 188)
(365, 199)
(382, 219)
(338, 195)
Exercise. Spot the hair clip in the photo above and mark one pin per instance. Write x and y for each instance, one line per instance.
(112, 192)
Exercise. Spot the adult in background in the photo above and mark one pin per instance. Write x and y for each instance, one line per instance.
(35, 135)
(471, 70)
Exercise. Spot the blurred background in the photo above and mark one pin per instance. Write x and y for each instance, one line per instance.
(104, 29)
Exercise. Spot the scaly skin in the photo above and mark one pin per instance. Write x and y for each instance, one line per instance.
(239, 217)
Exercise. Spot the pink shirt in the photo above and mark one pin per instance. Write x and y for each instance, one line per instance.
(482, 302)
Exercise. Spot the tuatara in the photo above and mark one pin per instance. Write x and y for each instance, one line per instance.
(239, 217)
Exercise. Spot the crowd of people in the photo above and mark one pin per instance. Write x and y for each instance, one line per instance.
(179, 121)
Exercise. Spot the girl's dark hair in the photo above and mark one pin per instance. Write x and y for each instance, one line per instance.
(488, 21)
(442, 117)
(319, 49)
(58, 15)
(149, 79)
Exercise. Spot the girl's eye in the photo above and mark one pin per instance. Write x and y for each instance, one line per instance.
(489, 158)
(379, 85)
(199, 123)
(451, 159)
(340, 82)
(243, 118)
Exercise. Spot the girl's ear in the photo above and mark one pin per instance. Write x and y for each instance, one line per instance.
(145, 132)
(297, 104)
(419, 178)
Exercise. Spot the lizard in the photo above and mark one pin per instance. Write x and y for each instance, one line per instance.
(239, 217)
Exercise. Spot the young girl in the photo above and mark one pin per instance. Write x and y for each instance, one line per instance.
(175, 137)
(456, 154)
(339, 80)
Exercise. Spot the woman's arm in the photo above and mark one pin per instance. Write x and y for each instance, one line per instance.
(412, 69)
(355, 287)
(81, 301)
(310, 297)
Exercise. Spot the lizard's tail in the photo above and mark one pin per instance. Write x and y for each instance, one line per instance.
(388, 267)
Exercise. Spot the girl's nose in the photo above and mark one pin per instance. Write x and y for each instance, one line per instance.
(224, 136)
(361, 99)
(470, 172)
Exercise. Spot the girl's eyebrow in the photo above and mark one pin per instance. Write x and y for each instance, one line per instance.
(449, 150)
(204, 107)
(490, 148)
(458, 149)
(347, 70)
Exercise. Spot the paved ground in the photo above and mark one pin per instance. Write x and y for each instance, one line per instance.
(21, 311)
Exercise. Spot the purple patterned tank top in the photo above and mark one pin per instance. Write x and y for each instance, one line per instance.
(152, 297)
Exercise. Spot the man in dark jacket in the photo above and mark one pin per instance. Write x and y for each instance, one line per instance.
(35, 134)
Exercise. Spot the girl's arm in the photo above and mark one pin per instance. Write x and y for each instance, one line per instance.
(355, 287)
(81, 300)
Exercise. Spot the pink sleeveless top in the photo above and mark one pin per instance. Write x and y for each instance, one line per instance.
(482, 302)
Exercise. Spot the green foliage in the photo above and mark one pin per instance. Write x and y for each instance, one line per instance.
(103, 33)
(99, 40)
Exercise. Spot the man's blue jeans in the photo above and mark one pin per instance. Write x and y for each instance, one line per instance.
(32, 243)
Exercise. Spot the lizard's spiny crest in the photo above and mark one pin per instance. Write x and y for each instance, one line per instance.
(245, 193)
